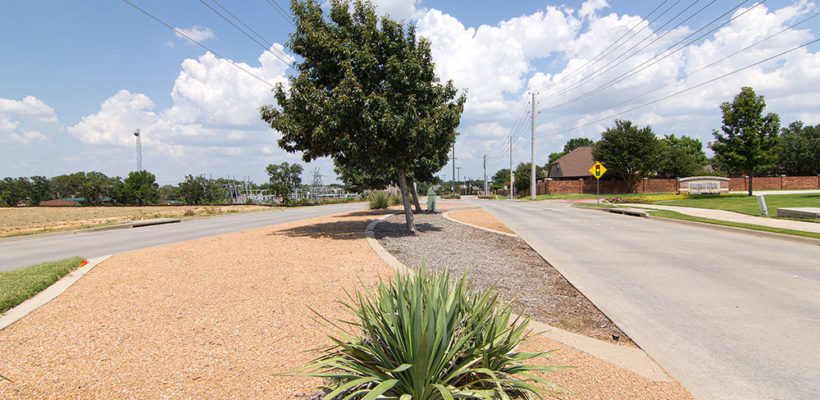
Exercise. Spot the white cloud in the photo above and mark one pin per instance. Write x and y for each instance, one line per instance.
(198, 33)
(591, 6)
(21, 121)
(406, 10)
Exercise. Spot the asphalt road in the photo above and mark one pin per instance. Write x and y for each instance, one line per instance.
(29, 250)
(730, 315)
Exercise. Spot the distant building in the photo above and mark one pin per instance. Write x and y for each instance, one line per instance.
(59, 203)
(573, 165)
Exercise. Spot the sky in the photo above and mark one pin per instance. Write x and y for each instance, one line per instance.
(77, 78)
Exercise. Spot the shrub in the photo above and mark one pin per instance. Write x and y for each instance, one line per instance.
(377, 199)
(451, 196)
(422, 337)
(394, 200)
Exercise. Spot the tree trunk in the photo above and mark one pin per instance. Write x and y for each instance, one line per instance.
(416, 203)
(750, 184)
(405, 200)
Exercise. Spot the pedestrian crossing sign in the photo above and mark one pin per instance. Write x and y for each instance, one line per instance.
(597, 170)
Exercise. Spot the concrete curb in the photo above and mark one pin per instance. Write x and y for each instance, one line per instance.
(120, 225)
(447, 217)
(48, 294)
(630, 358)
(752, 232)
(746, 231)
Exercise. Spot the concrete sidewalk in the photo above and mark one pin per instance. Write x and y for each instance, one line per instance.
(738, 217)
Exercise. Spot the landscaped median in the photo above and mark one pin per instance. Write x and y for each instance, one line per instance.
(224, 316)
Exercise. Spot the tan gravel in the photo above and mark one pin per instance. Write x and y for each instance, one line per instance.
(218, 317)
(479, 217)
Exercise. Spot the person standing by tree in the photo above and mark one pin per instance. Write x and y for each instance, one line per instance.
(747, 140)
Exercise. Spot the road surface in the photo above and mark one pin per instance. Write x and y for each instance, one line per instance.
(24, 251)
(730, 315)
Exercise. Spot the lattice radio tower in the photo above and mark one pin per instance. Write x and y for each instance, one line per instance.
(139, 149)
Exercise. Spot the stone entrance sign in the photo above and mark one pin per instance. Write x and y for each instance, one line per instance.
(703, 185)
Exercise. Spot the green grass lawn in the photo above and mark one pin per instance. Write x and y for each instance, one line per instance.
(19, 285)
(748, 204)
(677, 215)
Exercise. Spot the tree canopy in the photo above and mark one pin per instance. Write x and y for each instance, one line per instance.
(284, 178)
(798, 149)
(747, 139)
(680, 157)
(365, 94)
(138, 188)
(522, 175)
(628, 152)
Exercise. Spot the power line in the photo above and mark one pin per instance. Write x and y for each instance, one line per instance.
(200, 44)
(604, 53)
(716, 62)
(684, 90)
(265, 48)
(620, 59)
(281, 11)
(654, 60)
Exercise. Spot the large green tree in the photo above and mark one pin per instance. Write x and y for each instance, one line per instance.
(139, 188)
(746, 141)
(522, 175)
(500, 179)
(365, 94)
(284, 178)
(681, 157)
(798, 149)
(628, 152)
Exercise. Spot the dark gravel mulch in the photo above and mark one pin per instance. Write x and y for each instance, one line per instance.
(522, 277)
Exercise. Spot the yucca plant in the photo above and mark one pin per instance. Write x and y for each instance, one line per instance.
(377, 199)
(422, 338)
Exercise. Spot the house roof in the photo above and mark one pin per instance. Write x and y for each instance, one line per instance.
(574, 164)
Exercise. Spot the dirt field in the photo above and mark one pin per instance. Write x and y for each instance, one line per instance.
(26, 220)
(221, 317)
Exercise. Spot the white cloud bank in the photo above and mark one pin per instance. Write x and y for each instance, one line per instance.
(22, 122)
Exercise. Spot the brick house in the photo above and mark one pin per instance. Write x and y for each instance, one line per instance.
(573, 165)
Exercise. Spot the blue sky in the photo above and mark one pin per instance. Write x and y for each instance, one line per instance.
(79, 77)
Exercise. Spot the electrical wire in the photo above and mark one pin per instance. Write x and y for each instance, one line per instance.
(652, 61)
(200, 44)
(620, 59)
(604, 53)
(281, 11)
(682, 91)
(265, 48)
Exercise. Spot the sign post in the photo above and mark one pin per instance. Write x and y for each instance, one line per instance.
(597, 171)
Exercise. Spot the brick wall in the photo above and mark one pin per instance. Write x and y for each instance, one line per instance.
(671, 185)
(775, 183)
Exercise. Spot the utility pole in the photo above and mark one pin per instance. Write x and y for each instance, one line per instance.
(458, 180)
(532, 170)
(452, 189)
(512, 175)
(485, 174)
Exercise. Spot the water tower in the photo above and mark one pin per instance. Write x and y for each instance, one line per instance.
(139, 149)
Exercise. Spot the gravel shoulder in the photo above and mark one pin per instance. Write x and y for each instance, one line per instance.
(518, 273)
(223, 317)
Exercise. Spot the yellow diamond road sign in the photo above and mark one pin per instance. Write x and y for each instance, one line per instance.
(597, 170)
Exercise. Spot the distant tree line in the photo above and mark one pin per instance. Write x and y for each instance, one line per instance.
(140, 188)
(748, 143)
(89, 188)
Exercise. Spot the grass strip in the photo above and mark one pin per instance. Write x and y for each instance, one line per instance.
(19, 285)
(684, 217)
